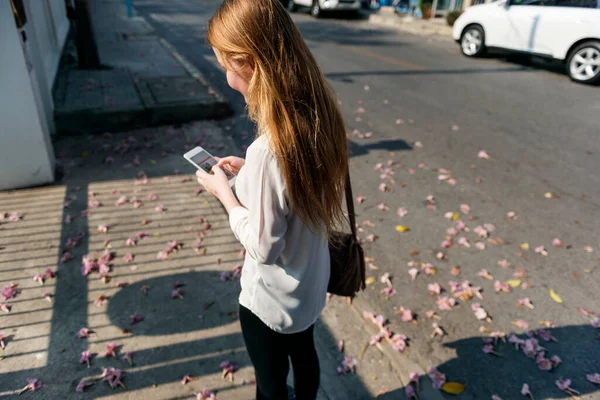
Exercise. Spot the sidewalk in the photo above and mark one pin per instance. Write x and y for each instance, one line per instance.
(147, 83)
(437, 27)
(177, 337)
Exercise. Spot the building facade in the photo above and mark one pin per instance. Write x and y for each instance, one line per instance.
(32, 36)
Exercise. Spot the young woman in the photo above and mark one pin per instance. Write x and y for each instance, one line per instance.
(289, 188)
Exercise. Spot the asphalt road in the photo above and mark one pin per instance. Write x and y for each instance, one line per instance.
(425, 103)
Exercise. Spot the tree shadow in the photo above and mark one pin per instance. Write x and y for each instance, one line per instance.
(485, 374)
(347, 76)
(357, 149)
(207, 302)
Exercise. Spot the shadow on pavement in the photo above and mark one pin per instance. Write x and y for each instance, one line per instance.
(388, 145)
(177, 336)
(486, 374)
(347, 76)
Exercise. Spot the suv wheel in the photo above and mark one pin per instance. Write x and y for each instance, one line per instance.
(472, 41)
(315, 10)
(292, 7)
(583, 64)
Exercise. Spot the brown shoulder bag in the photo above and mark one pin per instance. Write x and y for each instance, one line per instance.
(347, 256)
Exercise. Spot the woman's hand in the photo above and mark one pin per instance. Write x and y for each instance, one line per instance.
(232, 163)
(215, 183)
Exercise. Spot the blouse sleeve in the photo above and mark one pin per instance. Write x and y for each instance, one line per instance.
(261, 224)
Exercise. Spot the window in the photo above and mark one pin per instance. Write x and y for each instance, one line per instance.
(577, 3)
(540, 3)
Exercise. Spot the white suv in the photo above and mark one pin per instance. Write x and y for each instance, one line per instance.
(317, 7)
(566, 30)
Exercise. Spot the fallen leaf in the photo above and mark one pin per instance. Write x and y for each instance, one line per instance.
(524, 246)
(401, 228)
(453, 387)
(555, 296)
(514, 283)
(370, 280)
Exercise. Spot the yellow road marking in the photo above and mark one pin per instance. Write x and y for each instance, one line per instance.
(378, 56)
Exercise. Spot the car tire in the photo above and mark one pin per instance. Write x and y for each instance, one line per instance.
(472, 41)
(583, 63)
(292, 7)
(315, 9)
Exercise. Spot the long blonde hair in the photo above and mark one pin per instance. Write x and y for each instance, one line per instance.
(289, 98)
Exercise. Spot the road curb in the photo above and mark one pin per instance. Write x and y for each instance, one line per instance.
(417, 27)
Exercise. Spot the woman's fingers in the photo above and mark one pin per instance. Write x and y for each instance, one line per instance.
(224, 161)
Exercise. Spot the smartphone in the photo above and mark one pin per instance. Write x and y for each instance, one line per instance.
(203, 160)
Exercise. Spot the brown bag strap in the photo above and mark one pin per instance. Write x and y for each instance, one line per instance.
(350, 204)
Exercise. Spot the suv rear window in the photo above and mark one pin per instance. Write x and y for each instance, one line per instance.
(577, 3)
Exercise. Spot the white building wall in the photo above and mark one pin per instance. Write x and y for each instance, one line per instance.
(26, 154)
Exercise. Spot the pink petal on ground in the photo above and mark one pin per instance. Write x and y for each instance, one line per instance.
(136, 318)
(129, 357)
(402, 212)
(541, 250)
(382, 207)
(501, 287)
(383, 187)
(406, 315)
(83, 384)
(205, 395)
(410, 393)
(128, 257)
(159, 208)
(413, 272)
(437, 378)
(565, 385)
(122, 200)
(371, 237)
(428, 269)
(66, 257)
(434, 288)
(463, 241)
(452, 231)
(83, 333)
(483, 154)
(360, 199)
(594, 378)
(445, 303)
(111, 350)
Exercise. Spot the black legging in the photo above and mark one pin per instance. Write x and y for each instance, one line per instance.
(270, 353)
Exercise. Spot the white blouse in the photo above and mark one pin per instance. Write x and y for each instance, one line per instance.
(286, 269)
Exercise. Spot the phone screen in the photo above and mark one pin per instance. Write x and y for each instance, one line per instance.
(206, 162)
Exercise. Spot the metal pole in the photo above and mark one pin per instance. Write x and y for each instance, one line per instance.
(434, 8)
(129, 8)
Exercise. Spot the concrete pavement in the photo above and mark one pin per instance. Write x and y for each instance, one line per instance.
(130, 195)
(144, 80)
(418, 102)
